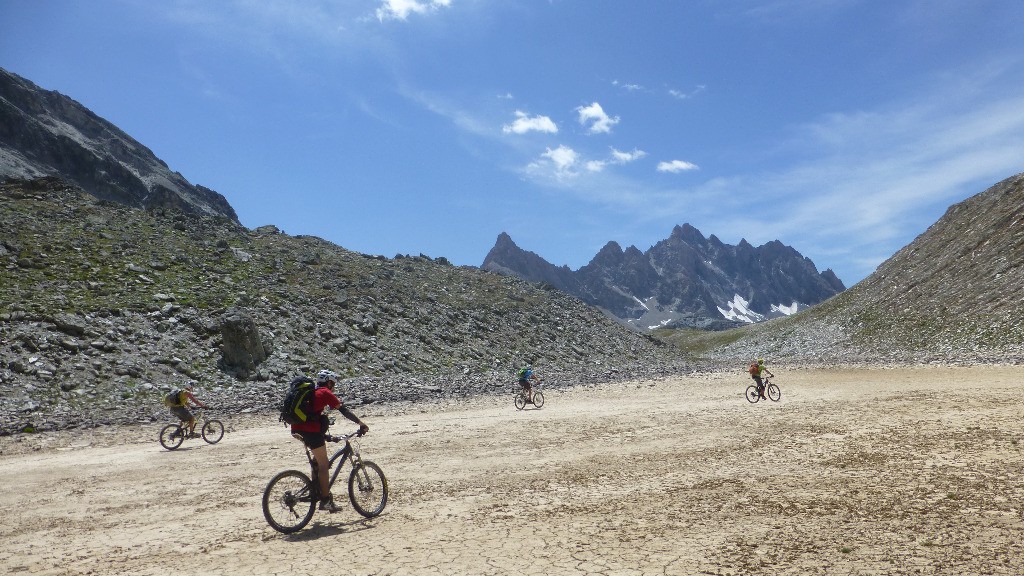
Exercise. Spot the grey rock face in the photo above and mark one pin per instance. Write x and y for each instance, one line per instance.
(44, 133)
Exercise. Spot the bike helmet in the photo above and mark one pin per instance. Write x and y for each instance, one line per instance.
(325, 376)
(760, 360)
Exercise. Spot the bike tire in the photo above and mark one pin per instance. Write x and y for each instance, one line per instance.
(289, 502)
(520, 401)
(774, 393)
(368, 489)
(171, 436)
(538, 399)
(752, 394)
(213, 431)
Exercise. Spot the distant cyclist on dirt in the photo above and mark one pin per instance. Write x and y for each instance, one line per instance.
(756, 370)
(313, 431)
(526, 375)
(178, 403)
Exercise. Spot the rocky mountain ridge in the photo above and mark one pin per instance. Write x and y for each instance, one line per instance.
(104, 306)
(953, 295)
(686, 280)
(44, 133)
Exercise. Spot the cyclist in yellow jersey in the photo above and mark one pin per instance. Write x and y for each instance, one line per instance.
(178, 403)
(756, 372)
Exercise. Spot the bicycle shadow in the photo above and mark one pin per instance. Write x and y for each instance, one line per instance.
(317, 529)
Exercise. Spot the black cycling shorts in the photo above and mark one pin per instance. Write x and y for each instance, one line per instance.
(312, 440)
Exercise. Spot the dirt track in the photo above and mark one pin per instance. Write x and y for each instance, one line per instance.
(908, 471)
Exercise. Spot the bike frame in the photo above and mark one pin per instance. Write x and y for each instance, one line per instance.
(346, 452)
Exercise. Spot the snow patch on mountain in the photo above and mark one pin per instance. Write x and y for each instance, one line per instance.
(739, 310)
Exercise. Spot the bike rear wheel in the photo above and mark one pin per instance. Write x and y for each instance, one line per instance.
(538, 398)
(774, 393)
(213, 431)
(289, 502)
(171, 436)
(368, 489)
(752, 394)
(520, 401)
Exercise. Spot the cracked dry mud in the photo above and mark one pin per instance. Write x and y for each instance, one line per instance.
(866, 471)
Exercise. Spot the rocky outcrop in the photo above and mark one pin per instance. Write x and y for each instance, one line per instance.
(44, 133)
(242, 346)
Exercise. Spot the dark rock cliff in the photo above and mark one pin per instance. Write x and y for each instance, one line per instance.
(44, 133)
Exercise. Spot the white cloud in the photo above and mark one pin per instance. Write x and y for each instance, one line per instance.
(525, 123)
(600, 122)
(615, 157)
(401, 9)
(676, 166)
(620, 157)
(563, 157)
(559, 164)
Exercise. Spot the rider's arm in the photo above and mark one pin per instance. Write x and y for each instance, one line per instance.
(194, 400)
(348, 414)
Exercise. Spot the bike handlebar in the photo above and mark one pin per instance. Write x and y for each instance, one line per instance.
(345, 437)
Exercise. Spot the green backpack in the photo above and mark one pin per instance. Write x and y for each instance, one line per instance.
(173, 398)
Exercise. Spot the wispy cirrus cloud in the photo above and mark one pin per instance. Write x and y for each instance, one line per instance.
(681, 95)
(525, 123)
(594, 115)
(627, 86)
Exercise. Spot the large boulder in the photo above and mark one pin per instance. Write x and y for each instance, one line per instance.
(242, 348)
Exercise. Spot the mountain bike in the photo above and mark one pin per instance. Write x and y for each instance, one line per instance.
(291, 497)
(521, 401)
(172, 435)
(771, 390)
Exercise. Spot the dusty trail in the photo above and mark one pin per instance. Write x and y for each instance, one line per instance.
(902, 471)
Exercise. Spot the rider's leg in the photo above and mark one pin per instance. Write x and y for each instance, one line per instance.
(323, 470)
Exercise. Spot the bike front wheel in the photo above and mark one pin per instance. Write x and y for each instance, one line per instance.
(368, 489)
(213, 431)
(538, 399)
(774, 393)
(172, 436)
(288, 501)
(520, 401)
(752, 394)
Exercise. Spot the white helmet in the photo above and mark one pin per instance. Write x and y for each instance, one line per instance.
(325, 376)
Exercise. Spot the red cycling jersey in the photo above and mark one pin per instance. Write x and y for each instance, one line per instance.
(322, 398)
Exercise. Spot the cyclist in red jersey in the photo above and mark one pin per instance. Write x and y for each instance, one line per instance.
(313, 431)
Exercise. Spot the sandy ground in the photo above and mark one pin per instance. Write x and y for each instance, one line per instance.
(899, 471)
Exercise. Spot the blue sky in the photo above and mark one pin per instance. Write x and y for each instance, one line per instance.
(843, 128)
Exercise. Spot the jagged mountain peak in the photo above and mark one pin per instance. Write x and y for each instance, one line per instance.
(686, 279)
(687, 233)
